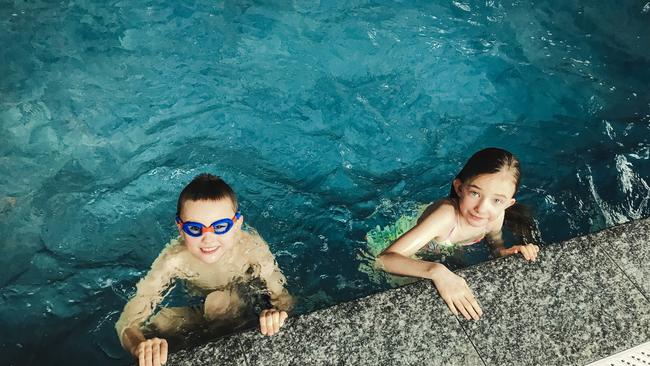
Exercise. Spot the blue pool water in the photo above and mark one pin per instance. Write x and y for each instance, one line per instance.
(327, 117)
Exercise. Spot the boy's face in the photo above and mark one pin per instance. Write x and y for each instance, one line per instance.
(210, 247)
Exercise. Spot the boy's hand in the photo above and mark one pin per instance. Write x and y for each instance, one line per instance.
(271, 320)
(457, 295)
(529, 251)
(152, 352)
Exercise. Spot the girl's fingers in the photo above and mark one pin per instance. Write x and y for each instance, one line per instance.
(451, 306)
(475, 305)
(459, 305)
(283, 317)
(469, 308)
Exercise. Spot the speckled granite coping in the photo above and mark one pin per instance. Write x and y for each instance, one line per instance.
(583, 300)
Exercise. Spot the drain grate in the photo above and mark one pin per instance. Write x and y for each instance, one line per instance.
(637, 356)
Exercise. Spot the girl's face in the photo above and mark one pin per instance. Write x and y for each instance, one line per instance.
(485, 197)
(210, 247)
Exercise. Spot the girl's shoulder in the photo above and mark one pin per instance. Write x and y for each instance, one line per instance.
(444, 209)
(440, 217)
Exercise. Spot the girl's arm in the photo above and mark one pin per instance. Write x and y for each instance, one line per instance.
(497, 245)
(399, 264)
(397, 259)
(452, 288)
(495, 238)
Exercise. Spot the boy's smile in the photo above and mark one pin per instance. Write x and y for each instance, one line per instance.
(209, 247)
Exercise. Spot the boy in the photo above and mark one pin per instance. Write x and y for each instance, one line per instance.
(212, 255)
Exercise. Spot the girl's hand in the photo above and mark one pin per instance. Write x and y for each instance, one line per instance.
(454, 291)
(151, 352)
(271, 320)
(529, 251)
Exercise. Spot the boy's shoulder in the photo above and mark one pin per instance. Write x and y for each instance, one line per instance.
(255, 252)
(251, 240)
(253, 248)
(172, 255)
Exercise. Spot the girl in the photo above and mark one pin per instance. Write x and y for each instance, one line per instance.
(481, 196)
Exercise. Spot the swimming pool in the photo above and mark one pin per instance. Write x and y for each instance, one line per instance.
(328, 119)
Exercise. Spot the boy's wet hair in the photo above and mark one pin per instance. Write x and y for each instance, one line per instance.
(488, 161)
(206, 187)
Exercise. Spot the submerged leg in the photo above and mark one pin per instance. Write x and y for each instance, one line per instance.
(222, 305)
(169, 322)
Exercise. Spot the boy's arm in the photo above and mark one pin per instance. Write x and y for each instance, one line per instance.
(271, 275)
(149, 293)
(131, 338)
(271, 320)
(275, 281)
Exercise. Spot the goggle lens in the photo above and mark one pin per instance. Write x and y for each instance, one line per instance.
(193, 229)
(222, 227)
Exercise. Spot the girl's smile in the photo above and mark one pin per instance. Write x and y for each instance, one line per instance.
(475, 218)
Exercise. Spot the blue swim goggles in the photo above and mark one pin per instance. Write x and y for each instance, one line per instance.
(196, 229)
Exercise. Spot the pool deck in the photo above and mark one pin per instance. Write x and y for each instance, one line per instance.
(583, 300)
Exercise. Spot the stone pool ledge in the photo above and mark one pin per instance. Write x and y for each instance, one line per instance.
(584, 299)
